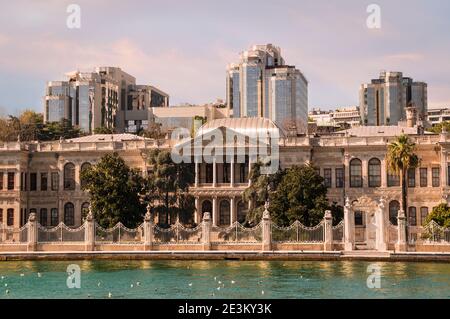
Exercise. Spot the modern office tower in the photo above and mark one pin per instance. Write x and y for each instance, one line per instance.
(262, 85)
(107, 97)
(384, 100)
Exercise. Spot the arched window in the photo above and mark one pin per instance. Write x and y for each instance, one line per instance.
(224, 213)
(412, 216)
(374, 172)
(69, 176)
(242, 210)
(355, 173)
(10, 217)
(43, 217)
(83, 168)
(69, 214)
(206, 207)
(394, 207)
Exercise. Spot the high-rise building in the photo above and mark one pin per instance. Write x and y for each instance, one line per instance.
(384, 100)
(262, 85)
(106, 97)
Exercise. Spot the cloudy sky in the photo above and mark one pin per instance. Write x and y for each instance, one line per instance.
(183, 46)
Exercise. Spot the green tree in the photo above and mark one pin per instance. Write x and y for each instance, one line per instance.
(400, 157)
(55, 130)
(441, 215)
(168, 187)
(437, 129)
(301, 195)
(116, 192)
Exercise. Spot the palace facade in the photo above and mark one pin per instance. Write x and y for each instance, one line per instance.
(44, 178)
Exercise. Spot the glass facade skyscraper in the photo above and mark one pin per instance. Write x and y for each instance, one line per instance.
(261, 85)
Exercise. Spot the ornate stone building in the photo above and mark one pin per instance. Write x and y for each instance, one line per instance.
(44, 178)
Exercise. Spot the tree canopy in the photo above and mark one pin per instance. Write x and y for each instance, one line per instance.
(169, 184)
(296, 193)
(116, 192)
(441, 215)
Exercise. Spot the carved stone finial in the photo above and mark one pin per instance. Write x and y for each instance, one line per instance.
(207, 216)
(328, 214)
(32, 217)
(382, 203)
(347, 202)
(148, 215)
(90, 215)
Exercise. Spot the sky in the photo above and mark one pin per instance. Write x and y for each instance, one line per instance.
(183, 46)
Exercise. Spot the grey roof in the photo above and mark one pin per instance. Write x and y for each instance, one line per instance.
(366, 131)
(250, 126)
(106, 138)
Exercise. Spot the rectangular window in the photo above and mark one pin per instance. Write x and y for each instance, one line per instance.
(10, 217)
(435, 177)
(55, 181)
(359, 218)
(393, 180)
(339, 177)
(411, 177)
(327, 177)
(1, 216)
(33, 181)
(209, 173)
(1, 180)
(412, 216)
(43, 217)
(44, 181)
(423, 177)
(423, 215)
(226, 172)
(11, 176)
(54, 218)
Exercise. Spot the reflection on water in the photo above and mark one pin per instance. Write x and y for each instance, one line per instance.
(223, 279)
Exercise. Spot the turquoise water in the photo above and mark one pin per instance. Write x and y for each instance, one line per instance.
(238, 279)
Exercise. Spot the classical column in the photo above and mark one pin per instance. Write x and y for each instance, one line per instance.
(328, 231)
(383, 173)
(214, 211)
(77, 177)
(349, 226)
(232, 172)
(444, 181)
(232, 210)
(266, 229)
(196, 173)
(381, 230)
(214, 174)
(401, 241)
(148, 230)
(249, 170)
(346, 170)
(365, 173)
(197, 213)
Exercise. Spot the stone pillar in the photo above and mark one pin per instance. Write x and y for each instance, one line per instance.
(266, 229)
(32, 232)
(214, 211)
(444, 181)
(381, 230)
(206, 231)
(249, 171)
(383, 173)
(196, 173)
(232, 210)
(401, 241)
(197, 213)
(89, 231)
(232, 172)
(349, 226)
(214, 173)
(346, 171)
(148, 230)
(328, 231)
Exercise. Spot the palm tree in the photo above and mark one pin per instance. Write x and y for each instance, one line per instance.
(401, 157)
